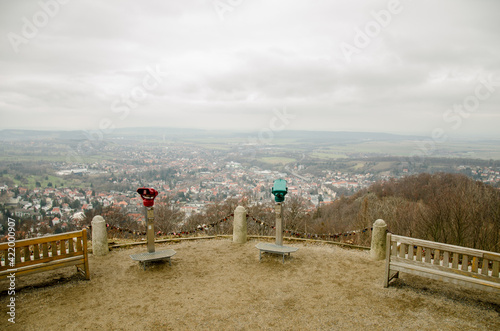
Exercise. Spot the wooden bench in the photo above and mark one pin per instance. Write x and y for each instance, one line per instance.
(458, 265)
(29, 256)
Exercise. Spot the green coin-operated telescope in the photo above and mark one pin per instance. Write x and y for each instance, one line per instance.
(279, 190)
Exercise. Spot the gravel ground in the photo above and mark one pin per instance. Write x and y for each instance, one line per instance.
(218, 285)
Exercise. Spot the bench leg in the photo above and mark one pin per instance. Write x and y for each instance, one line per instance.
(396, 275)
(81, 269)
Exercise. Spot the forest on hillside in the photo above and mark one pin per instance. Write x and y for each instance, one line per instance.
(442, 207)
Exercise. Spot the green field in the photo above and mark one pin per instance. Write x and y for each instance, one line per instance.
(332, 149)
(31, 180)
(407, 148)
(275, 160)
(18, 157)
(327, 156)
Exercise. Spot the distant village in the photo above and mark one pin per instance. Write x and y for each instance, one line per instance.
(186, 179)
(63, 206)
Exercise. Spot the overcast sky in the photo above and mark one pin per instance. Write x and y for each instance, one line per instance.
(410, 67)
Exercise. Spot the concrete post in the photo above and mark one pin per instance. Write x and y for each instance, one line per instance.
(99, 236)
(379, 235)
(279, 223)
(240, 225)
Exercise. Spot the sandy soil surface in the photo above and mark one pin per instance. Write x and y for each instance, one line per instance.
(218, 285)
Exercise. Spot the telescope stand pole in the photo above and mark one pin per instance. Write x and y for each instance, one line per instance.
(150, 217)
(279, 223)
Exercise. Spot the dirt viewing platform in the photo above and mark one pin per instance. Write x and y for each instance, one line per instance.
(216, 284)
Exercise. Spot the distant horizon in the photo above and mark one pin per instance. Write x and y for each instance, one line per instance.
(249, 131)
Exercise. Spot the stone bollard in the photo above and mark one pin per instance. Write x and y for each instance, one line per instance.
(240, 225)
(99, 236)
(379, 237)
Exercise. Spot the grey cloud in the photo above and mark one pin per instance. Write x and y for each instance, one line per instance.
(263, 55)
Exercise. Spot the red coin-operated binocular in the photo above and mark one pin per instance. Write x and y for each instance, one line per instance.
(148, 196)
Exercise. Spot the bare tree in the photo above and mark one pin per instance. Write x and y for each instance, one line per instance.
(294, 213)
(168, 216)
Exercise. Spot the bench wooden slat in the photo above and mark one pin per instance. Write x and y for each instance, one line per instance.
(427, 255)
(437, 257)
(394, 249)
(454, 263)
(410, 252)
(18, 254)
(402, 250)
(419, 253)
(45, 250)
(36, 252)
(474, 264)
(465, 262)
(62, 246)
(485, 266)
(446, 259)
(27, 253)
(53, 245)
(70, 245)
(495, 269)
(78, 244)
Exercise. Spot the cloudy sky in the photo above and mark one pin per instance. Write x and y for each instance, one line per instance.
(410, 67)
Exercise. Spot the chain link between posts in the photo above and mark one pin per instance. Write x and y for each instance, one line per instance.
(206, 227)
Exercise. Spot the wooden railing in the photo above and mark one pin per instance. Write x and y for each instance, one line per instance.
(28, 256)
(455, 264)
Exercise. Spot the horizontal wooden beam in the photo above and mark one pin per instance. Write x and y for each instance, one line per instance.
(40, 240)
(40, 261)
(442, 247)
(77, 260)
(446, 276)
(397, 261)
